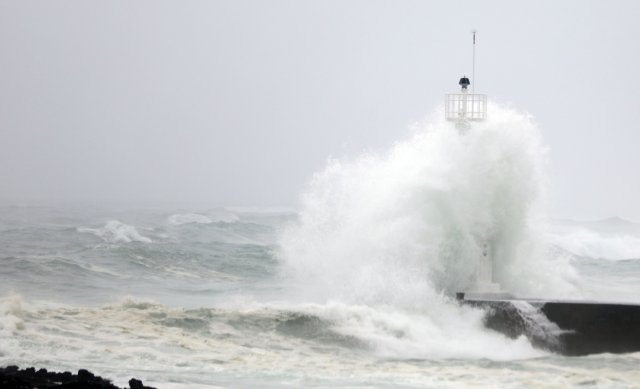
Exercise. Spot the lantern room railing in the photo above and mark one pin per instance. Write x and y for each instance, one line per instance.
(465, 106)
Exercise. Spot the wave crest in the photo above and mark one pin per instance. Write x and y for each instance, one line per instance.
(187, 218)
(117, 232)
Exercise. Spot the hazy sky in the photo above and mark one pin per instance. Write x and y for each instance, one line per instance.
(240, 102)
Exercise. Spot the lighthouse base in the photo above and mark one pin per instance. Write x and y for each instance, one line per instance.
(572, 328)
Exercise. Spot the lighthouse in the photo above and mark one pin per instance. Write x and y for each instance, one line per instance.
(464, 108)
(568, 327)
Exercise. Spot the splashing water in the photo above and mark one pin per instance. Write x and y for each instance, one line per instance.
(408, 225)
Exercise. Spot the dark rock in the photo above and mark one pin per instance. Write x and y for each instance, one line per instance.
(137, 384)
(11, 377)
(85, 375)
(65, 376)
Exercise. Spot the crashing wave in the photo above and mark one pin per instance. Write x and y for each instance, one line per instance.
(117, 232)
(404, 226)
(612, 239)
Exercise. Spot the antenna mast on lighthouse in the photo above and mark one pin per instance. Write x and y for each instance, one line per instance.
(473, 66)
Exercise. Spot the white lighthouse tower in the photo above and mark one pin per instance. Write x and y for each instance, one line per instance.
(463, 108)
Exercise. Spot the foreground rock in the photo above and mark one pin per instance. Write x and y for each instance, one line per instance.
(12, 377)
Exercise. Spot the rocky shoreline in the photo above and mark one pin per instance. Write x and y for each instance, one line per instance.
(12, 377)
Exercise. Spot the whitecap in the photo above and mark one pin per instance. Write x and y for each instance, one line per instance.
(117, 232)
(588, 243)
(12, 312)
(187, 218)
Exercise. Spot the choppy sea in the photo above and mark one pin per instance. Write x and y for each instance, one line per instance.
(353, 288)
(189, 298)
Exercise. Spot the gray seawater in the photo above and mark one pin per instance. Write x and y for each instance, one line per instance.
(198, 298)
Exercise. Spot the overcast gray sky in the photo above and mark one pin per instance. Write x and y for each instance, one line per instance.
(240, 102)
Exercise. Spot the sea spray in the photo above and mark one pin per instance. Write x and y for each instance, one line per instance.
(405, 229)
(404, 225)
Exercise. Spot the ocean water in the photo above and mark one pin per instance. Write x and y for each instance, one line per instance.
(351, 288)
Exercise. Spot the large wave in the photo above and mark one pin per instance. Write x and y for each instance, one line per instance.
(249, 339)
(613, 238)
(404, 226)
